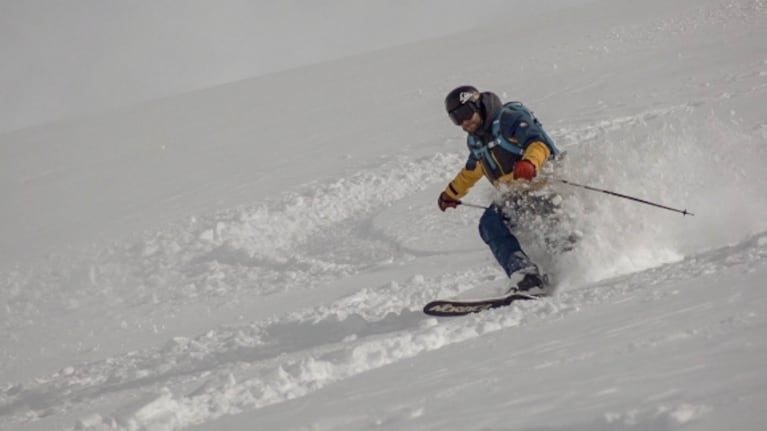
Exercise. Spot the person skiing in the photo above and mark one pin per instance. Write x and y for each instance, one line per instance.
(506, 144)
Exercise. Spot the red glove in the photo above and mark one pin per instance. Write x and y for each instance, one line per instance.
(524, 169)
(446, 202)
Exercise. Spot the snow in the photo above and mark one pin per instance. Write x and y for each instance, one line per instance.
(257, 254)
(148, 50)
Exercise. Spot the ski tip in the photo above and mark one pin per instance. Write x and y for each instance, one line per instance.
(444, 308)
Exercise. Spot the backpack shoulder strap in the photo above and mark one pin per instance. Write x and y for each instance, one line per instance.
(480, 151)
(521, 112)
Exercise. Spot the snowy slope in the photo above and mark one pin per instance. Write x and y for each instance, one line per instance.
(256, 255)
(65, 60)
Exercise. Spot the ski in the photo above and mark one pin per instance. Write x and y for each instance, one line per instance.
(459, 307)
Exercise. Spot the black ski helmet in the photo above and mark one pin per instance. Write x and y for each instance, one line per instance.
(459, 96)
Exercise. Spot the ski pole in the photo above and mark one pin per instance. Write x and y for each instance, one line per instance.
(684, 212)
(473, 206)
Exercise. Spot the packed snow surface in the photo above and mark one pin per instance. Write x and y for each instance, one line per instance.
(256, 255)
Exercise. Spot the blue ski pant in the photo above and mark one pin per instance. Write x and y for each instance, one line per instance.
(495, 229)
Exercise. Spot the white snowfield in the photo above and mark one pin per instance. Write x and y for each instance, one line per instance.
(257, 255)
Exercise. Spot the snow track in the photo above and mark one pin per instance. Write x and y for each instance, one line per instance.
(245, 367)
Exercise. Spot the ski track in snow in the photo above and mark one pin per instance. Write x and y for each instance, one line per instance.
(267, 248)
(240, 368)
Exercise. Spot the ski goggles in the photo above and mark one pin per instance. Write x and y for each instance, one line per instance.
(462, 113)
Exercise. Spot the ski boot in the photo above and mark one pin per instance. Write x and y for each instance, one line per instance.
(530, 282)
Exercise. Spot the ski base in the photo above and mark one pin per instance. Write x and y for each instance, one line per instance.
(458, 307)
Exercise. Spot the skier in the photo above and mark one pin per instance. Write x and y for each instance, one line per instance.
(506, 144)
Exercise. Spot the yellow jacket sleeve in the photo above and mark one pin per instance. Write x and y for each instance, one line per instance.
(464, 181)
(537, 153)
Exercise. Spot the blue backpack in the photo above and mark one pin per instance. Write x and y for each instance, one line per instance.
(524, 128)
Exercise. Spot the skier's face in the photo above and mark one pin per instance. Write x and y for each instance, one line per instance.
(471, 125)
